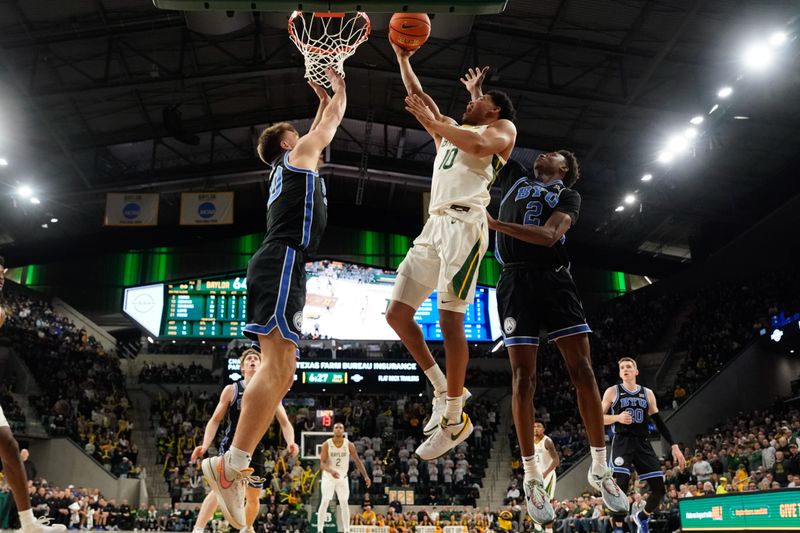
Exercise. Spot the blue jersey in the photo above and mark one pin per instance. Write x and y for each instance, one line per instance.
(297, 208)
(636, 404)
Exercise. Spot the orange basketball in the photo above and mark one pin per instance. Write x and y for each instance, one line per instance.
(409, 30)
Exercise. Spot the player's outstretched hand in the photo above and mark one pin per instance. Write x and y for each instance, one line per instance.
(402, 52)
(625, 418)
(337, 82)
(416, 106)
(198, 454)
(368, 481)
(2, 317)
(320, 91)
(474, 78)
(293, 449)
(677, 454)
(491, 221)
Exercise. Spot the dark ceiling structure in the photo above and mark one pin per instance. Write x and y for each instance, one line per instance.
(102, 96)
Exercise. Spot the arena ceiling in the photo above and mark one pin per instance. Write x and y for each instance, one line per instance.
(85, 85)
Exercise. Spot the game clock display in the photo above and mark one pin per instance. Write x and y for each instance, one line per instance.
(206, 308)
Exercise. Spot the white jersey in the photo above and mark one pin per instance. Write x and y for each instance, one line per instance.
(542, 454)
(339, 458)
(462, 180)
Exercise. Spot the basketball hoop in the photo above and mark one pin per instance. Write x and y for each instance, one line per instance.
(326, 40)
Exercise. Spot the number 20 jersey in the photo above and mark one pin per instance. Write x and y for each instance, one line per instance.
(529, 202)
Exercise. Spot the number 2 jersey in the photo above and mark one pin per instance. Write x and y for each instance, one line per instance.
(524, 200)
(338, 458)
(460, 181)
(637, 405)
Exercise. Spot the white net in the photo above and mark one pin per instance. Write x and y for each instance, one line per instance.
(326, 40)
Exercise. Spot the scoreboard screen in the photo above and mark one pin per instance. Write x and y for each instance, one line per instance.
(343, 302)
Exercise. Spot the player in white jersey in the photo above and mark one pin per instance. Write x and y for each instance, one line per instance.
(447, 254)
(547, 459)
(334, 461)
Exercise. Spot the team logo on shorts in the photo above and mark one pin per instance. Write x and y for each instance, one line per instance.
(509, 325)
(619, 461)
(298, 320)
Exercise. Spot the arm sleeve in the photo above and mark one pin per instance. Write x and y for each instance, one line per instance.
(569, 202)
(662, 428)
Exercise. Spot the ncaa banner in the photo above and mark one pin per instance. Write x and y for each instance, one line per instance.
(202, 208)
(131, 209)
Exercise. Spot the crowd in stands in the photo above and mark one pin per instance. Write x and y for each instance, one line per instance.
(190, 347)
(175, 373)
(724, 318)
(11, 410)
(83, 394)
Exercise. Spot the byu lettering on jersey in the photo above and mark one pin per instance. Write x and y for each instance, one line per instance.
(297, 214)
(535, 290)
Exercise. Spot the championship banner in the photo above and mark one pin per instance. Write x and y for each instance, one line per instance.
(774, 510)
(212, 208)
(131, 209)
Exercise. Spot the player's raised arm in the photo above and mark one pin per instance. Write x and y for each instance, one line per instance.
(655, 416)
(213, 423)
(411, 82)
(359, 464)
(324, 100)
(473, 81)
(309, 147)
(287, 429)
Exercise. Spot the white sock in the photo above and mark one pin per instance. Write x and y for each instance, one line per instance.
(531, 469)
(437, 379)
(26, 519)
(548, 529)
(238, 459)
(599, 461)
(198, 530)
(453, 410)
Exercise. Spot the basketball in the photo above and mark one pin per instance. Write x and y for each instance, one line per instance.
(409, 30)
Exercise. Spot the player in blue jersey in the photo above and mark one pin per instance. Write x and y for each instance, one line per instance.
(536, 291)
(230, 406)
(632, 407)
(296, 218)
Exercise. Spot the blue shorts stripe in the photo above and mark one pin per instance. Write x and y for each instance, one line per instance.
(649, 475)
(620, 470)
(278, 319)
(516, 341)
(566, 332)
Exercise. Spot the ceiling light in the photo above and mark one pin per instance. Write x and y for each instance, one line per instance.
(647, 177)
(777, 38)
(35, 201)
(54, 220)
(716, 106)
(741, 117)
(697, 120)
(677, 143)
(619, 208)
(44, 226)
(725, 92)
(497, 346)
(3, 162)
(757, 57)
(629, 199)
(690, 133)
(150, 340)
(24, 191)
(648, 280)
(665, 157)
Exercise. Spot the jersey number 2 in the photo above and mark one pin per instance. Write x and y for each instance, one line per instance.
(449, 159)
(338, 461)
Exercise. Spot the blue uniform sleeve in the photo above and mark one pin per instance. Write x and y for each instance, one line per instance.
(569, 202)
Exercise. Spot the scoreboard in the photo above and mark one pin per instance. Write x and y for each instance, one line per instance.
(343, 302)
(206, 308)
(772, 510)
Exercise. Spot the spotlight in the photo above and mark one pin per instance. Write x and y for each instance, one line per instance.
(696, 120)
(44, 226)
(619, 208)
(647, 177)
(35, 201)
(725, 92)
(24, 191)
(677, 143)
(777, 38)
(3, 162)
(54, 220)
(690, 133)
(741, 117)
(629, 199)
(666, 157)
(757, 57)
